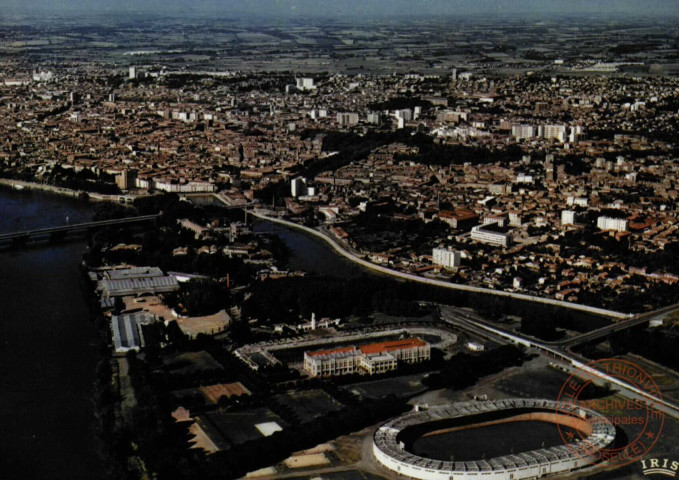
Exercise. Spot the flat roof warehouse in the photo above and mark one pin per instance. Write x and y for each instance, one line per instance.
(137, 286)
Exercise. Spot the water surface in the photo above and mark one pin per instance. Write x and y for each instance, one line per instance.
(48, 349)
(311, 254)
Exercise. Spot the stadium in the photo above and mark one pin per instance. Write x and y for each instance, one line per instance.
(395, 443)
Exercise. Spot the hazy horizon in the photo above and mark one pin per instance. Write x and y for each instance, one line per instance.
(291, 9)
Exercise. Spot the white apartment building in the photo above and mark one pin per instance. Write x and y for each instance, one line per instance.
(610, 223)
(317, 113)
(298, 187)
(446, 258)
(520, 132)
(347, 118)
(451, 116)
(515, 219)
(305, 84)
(490, 219)
(551, 132)
(373, 118)
(579, 201)
(406, 114)
(567, 217)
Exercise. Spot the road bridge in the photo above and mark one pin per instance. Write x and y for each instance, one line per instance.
(41, 233)
(636, 320)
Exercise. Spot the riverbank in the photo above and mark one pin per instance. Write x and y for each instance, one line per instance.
(67, 192)
(346, 253)
(342, 250)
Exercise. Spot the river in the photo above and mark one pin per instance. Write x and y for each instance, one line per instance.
(310, 254)
(48, 348)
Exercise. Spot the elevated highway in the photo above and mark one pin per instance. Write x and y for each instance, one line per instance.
(636, 320)
(577, 363)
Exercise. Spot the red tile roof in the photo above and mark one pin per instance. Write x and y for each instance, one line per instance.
(393, 345)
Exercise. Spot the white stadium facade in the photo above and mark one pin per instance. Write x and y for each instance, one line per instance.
(389, 449)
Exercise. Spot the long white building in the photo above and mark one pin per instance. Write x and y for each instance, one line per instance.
(486, 234)
(190, 187)
(610, 223)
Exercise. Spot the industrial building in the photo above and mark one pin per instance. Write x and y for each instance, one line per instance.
(135, 281)
(371, 359)
(127, 333)
(138, 286)
(132, 272)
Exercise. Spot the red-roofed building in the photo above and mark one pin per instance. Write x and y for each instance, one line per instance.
(370, 359)
(459, 218)
(410, 350)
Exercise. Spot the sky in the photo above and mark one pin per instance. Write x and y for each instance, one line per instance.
(345, 8)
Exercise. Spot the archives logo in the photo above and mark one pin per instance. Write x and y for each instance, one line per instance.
(659, 466)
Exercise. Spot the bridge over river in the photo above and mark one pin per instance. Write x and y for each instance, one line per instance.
(14, 238)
